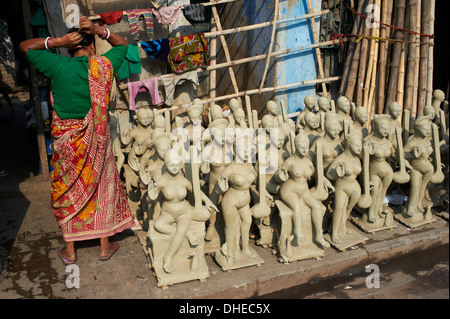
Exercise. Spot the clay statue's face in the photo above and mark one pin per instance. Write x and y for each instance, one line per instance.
(344, 106)
(355, 146)
(333, 129)
(302, 146)
(313, 123)
(424, 129)
(383, 128)
(309, 102)
(429, 111)
(272, 108)
(267, 125)
(396, 112)
(324, 105)
(144, 118)
(173, 166)
(239, 118)
(362, 117)
(218, 135)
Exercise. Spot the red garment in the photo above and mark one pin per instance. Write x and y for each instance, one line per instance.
(110, 17)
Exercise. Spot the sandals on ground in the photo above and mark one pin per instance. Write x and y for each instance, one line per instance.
(64, 258)
(113, 247)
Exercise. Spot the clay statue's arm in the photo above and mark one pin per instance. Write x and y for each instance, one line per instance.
(335, 170)
(208, 202)
(153, 190)
(282, 174)
(125, 138)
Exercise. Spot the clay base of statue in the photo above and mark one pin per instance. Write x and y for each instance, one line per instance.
(240, 260)
(352, 238)
(267, 229)
(289, 248)
(383, 222)
(189, 262)
(418, 219)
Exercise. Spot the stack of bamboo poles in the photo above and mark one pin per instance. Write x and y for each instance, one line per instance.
(378, 72)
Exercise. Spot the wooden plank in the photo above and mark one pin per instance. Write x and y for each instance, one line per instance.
(272, 39)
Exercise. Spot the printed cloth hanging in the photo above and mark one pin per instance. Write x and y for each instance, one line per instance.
(109, 18)
(133, 21)
(196, 13)
(167, 15)
(132, 63)
(188, 53)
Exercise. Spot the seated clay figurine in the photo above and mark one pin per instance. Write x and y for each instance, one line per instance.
(324, 105)
(296, 171)
(142, 133)
(343, 171)
(418, 152)
(176, 212)
(381, 173)
(309, 107)
(272, 111)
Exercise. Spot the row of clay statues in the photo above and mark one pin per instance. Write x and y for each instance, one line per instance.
(328, 165)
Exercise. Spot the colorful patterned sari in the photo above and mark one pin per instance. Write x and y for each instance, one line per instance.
(88, 198)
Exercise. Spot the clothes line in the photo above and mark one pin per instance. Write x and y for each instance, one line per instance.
(206, 4)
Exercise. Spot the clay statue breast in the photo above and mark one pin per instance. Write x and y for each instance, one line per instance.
(171, 192)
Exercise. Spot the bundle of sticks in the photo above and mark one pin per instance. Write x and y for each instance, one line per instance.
(390, 55)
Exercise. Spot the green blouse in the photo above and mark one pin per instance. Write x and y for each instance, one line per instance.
(69, 78)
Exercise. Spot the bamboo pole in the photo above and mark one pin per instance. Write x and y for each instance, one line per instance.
(362, 63)
(417, 60)
(373, 81)
(387, 8)
(225, 49)
(213, 62)
(411, 68)
(396, 52)
(424, 49)
(265, 24)
(272, 40)
(318, 54)
(373, 55)
(401, 80)
(429, 97)
(357, 23)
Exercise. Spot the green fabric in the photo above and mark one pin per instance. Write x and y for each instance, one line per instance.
(132, 63)
(69, 79)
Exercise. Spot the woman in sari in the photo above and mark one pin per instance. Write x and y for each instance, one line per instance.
(88, 199)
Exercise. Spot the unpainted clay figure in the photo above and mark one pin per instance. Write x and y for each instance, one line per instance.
(194, 127)
(267, 123)
(330, 141)
(140, 135)
(312, 126)
(215, 159)
(309, 107)
(295, 172)
(176, 212)
(216, 112)
(436, 101)
(418, 152)
(239, 117)
(344, 171)
(272, 110)
(116, 144)
(235, 181)
(234, 105)
(395, 111)
(343, 113)
(381, 173)
(324, 105)
(361, 118)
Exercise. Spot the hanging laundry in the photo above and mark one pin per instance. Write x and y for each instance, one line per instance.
(167, 15)
(171, 81)
(196, 13)
(109, 18)
(133, 21)
(157, 49)
(188, 53)
(132, 63)
(149, 85)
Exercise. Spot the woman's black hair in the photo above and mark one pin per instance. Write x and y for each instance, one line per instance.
(87, 38)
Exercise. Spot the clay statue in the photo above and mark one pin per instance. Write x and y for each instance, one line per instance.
(395, 111)
(216, 112)
(295, 173)
(235, 182)
(437, 99)
(312, 126)
(381, 173)
(343, 113)
(215, 159)
(272, 110)
(418, 151)
(177, 213)
(309, 108)
(361, 118)
(324, 107)
(267, 123)
(239, 117)
(344, 171)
